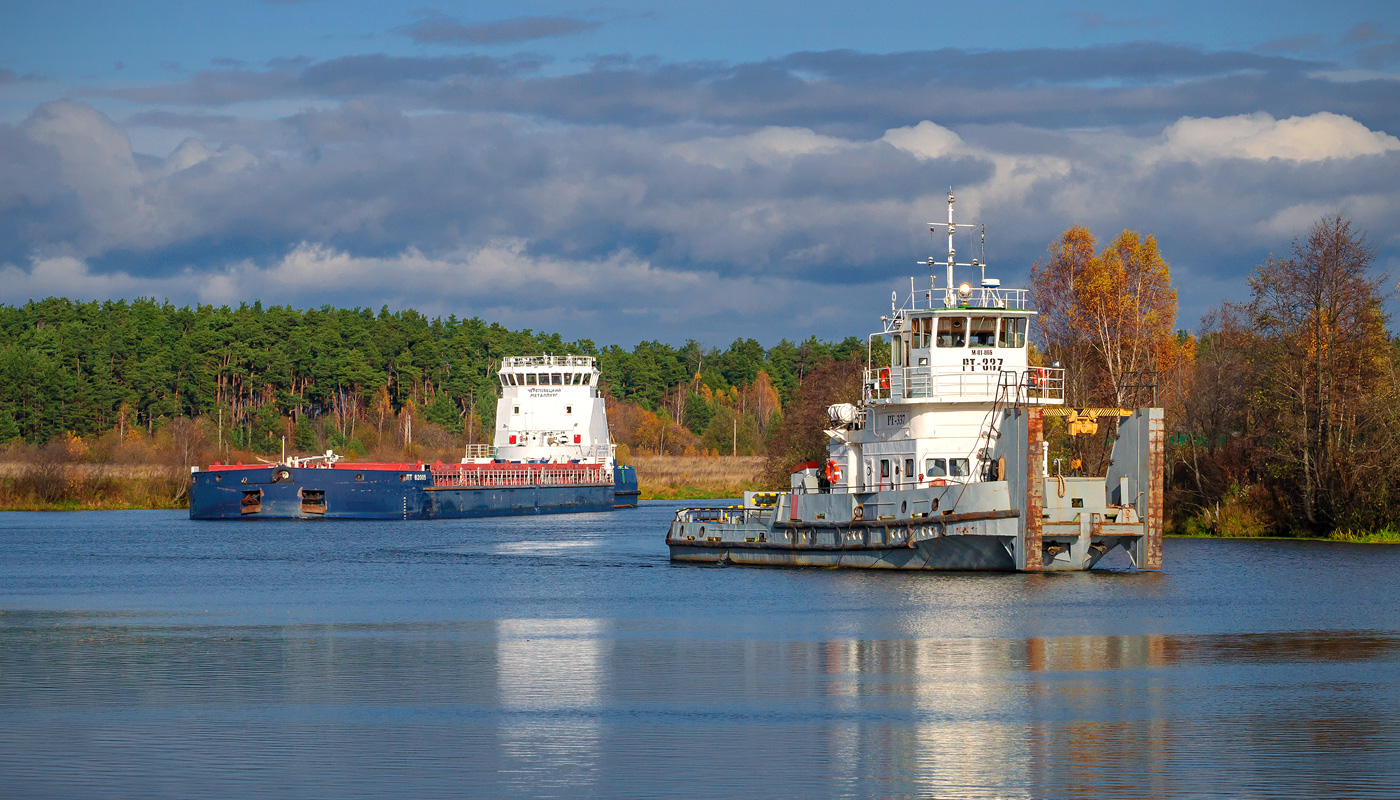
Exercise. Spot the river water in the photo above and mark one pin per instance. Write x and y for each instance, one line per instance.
(145, 655)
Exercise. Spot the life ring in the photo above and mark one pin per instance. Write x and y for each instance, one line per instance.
(1037, 376)
(885, 378)
(833, 472)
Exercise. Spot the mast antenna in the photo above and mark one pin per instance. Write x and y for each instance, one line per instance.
(951, 227)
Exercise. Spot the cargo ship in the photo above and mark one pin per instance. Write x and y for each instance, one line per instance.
(943, 464)
(552, 454)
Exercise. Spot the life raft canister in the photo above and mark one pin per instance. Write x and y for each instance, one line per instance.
(833, 472)
(885, 378)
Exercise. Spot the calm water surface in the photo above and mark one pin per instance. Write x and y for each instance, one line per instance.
(145, 655)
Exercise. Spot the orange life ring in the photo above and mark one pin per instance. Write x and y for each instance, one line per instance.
(833, 472)
(1037, 377)
(885, 378)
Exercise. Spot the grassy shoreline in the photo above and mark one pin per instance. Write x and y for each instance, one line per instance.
(110, 487)
(1379, 537)
(697, 477)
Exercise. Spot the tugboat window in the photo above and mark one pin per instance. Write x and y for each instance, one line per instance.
(935, 468)
(897, 352)
(909, 468)
(952, 332)
(923, 332)
(984, 331)
(884, 468)
(959, 467)
(1013, 332)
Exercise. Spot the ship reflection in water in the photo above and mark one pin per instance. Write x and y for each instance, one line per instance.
(549, 678)
(449, 660)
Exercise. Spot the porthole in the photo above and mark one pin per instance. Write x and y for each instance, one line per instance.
(904, 506)
(359, 477)
(218, 479)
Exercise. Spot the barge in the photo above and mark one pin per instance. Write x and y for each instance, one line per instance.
(943, 464)
(552, 454)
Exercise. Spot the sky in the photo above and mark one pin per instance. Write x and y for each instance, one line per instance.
(673, 171)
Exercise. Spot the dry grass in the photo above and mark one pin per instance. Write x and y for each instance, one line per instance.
(81, 487)
(696, 477)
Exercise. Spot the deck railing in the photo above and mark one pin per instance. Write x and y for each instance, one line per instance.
(1036, 385)
(547, 361)
(727, 515)
(522, 475)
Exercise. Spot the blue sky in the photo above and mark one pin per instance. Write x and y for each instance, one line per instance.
(668, 171)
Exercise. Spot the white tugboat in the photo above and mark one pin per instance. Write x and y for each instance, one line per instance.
(943, 464)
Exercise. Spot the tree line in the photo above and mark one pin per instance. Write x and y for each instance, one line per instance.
(1282, 412)
(353, 379)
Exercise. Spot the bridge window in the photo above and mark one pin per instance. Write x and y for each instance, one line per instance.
(935, 468)
(952, 332)
(983, 331)
(922, 329)
(958, 467)
(529, 379)
(587, 378)
(556, 379)
(1013, 332)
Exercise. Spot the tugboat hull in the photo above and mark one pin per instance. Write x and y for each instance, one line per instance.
(1029, 522)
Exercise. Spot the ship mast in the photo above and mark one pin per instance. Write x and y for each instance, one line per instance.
(951, 228)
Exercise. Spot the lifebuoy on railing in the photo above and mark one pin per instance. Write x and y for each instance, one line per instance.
(833, 472)
(885, 378)
(1037, 378)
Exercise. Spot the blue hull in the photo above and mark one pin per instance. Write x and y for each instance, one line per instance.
(308, 493)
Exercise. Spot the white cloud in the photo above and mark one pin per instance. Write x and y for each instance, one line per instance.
(499, 282)
(927, 140)
(621, 234)
(766, 147)
(1259, 136)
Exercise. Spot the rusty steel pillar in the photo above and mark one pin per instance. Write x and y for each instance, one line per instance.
(1033, 506)
(1156, 467)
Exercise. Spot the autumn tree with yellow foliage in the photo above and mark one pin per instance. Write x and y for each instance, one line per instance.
(1108, 317)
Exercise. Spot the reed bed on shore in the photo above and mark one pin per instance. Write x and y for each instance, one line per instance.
(663, 477)
(80, 487)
